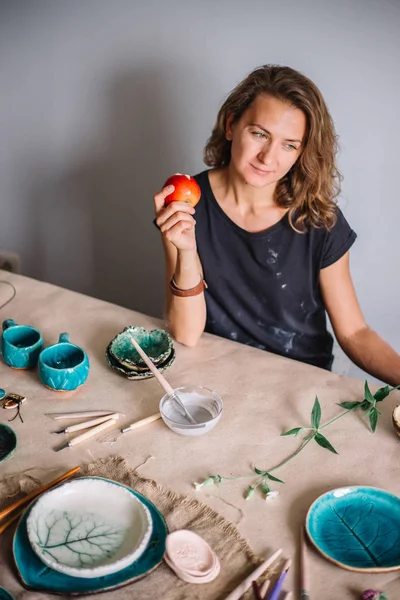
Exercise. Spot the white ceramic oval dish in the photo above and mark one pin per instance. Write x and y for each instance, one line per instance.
(204, 405)
(89, 527)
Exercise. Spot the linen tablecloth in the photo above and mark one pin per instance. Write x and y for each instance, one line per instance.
(263, 396)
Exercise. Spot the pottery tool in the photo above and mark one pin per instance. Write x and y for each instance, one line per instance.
(26, 499)
(256, 590)
(264, 588)
(88, 434)
(87, 424)
(276, 590)
(81, 415)
(112, 437)
(163, 382)
(304, 572)
(247, 583)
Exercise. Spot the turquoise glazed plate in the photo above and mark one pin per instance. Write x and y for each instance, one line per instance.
(8, 442)
(132, 375)
(357, 528)
(157, 344)
(4, 595)
(35, 575)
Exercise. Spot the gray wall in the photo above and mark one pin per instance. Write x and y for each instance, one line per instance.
(102, 100)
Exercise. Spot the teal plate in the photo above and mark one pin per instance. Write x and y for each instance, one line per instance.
(8, 442)
(357, 528)
(35, 575)
(4, 595)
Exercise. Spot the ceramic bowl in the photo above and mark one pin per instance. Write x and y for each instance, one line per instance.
(157, 344)
(63, 366)
(20, 345)
(357, 528)
(35, 575)
(135, 376)
(203, 404)
(8, 442)
(89, 528)
(5, 594)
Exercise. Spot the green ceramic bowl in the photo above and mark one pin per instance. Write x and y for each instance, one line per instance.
(156, 343)
(8, 442)
(137, 375)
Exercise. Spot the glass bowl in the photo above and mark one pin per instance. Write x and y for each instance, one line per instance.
(204, 405)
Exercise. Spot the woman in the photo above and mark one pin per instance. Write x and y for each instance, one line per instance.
(267, 235)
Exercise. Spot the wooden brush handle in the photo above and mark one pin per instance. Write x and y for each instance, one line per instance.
(160, 378)
(6, 511)
(94, 431)
(91, 423)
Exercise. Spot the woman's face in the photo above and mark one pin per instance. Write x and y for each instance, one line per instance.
(266, 141)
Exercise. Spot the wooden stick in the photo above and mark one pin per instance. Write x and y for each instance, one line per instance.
(264, 588)
(11, 520)
(5, 512)
(246, 584)
(79, 415)
(160, 378)
(304, 571)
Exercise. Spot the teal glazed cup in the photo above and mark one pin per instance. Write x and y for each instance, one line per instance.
(63, 367)
(20, 345)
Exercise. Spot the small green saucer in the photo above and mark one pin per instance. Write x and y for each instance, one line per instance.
(357, 528)
(8, 442)
(157, 344)
(5, 595)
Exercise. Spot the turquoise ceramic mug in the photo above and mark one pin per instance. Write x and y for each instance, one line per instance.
(20, 345)
(63, 367)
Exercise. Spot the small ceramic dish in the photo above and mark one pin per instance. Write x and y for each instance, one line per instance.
(89, 528)
(157, 344)
(203, 404)
(357, 528)
(190, 553)
(132, 375)
(5, 595)
(8, 442)
(191, 578)
(35, 575)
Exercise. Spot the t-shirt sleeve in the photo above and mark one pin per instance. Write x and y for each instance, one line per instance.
(337, 241)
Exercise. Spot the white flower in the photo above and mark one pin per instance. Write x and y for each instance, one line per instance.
(271, 495)
(208, 481)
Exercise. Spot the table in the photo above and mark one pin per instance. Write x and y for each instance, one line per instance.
(263, 396)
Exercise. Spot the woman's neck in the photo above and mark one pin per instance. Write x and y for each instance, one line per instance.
(251, 208)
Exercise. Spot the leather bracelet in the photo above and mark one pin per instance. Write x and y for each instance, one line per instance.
(194, 291)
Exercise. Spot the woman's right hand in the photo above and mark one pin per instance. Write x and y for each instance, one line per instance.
(175, 221)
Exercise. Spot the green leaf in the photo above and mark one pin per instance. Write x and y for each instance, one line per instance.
(272, 478)
(324, 443)
(294, 431)
(259, 472)
(382, 393)
(373, 419)
(265, 488)
(367, 394)
(316, 414)
(365, 405)
(349, 405)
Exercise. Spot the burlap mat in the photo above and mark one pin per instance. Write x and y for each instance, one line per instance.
(180, 512)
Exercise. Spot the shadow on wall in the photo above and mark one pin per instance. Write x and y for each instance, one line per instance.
(91, 223)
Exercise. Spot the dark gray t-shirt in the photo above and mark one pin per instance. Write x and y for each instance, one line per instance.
(263, 288)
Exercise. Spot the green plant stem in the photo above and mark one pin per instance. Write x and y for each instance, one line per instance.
(284, 462)
(338, 417)
(243, 477)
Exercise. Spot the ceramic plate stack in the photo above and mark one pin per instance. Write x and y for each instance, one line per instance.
(122, 356)
(69, 541)
(190, 557)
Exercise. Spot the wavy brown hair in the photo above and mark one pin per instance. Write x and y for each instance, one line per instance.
(310, 188)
